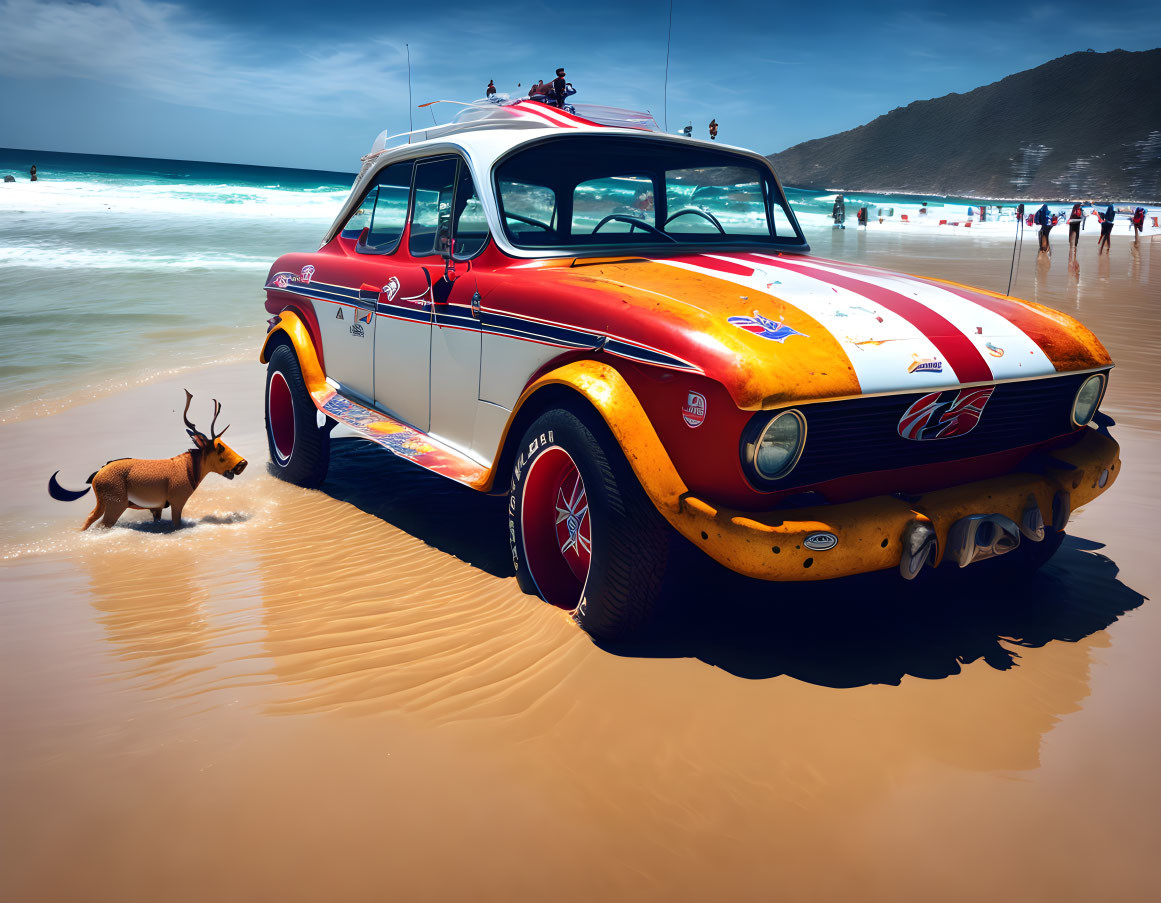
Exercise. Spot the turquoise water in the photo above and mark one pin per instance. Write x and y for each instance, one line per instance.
(117, 269)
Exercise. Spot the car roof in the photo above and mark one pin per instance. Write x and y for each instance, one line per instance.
(484, 132)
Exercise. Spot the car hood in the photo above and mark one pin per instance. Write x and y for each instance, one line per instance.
(775, 329)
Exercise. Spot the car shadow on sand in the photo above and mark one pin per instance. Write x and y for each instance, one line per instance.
(878, 629)
(447, 516)
(871, 629)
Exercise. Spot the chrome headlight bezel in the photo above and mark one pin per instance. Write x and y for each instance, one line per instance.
(757, 430)
(1101, 379)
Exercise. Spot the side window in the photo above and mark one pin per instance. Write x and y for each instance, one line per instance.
(780, 220)
(361, 218)
(471, 226)
(389, 215)
(431, 215)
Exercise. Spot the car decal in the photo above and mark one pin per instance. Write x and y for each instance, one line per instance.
(493, 322)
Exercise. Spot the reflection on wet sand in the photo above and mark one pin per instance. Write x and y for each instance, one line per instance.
(404, 626)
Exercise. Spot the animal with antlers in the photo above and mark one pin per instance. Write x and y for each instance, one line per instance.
(157, 484)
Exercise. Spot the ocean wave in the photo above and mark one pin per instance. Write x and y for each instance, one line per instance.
(172, 199)
(94, 259)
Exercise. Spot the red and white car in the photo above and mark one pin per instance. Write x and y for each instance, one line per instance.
(624, 332)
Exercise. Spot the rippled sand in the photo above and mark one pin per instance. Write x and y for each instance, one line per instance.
(342, 695)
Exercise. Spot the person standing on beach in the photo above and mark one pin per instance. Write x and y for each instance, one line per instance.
(1043, 219)
(32, 173)
(1075, 224)
(1138, 223)
(839, 212)
(1106, 229)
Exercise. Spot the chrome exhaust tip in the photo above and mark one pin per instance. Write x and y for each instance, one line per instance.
(1032, 521)
(979, 536)
(919, 548)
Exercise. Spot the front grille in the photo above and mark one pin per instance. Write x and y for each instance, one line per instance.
(861, 435)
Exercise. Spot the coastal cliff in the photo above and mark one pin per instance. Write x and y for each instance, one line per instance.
(1086, 125)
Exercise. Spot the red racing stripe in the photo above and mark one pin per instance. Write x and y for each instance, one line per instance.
(711, 263)
(956, 348)
(541, 114)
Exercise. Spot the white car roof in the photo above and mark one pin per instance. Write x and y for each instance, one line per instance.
(484, 132)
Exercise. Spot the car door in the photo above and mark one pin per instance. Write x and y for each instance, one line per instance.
(403, 342)
(456, 335)
(346, 322)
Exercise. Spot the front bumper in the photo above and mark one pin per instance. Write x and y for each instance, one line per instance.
(871, 534)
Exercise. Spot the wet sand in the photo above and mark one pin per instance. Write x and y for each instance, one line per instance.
(343, 694)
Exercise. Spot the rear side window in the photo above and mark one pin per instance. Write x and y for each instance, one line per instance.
(389, 213)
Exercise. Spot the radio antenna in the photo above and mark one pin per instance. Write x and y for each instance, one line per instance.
(665, 90)
(410, 115)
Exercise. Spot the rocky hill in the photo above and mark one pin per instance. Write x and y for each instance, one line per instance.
(1086, 125)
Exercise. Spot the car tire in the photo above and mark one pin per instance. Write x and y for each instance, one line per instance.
(582, 532)
(299, 449)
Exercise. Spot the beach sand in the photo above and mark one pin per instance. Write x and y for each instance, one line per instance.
(343, 695)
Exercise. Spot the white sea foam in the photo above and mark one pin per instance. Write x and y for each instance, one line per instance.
(172, 199)
(84, 259)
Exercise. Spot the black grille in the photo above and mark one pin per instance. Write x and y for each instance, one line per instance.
(861, 435)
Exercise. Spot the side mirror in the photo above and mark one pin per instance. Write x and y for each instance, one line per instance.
(449, 260)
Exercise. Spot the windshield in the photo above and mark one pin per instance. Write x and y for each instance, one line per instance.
(587, 192)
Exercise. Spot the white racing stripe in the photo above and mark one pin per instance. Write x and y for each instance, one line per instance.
(988, 331)
(880, 344)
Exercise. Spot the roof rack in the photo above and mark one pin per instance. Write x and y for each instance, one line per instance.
(522, 113)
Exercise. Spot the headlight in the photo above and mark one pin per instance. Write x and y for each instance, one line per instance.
(779, 445)
(1087, 399)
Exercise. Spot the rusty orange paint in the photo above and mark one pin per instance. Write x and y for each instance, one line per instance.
(761, 375)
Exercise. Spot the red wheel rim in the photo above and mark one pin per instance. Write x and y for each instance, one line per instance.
(280, 415)
(556, 527)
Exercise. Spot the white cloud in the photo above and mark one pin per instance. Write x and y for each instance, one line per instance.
(163, 51)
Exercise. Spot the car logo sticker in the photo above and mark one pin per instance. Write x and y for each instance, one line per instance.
(765, 328)
(357, 330)
(391, 289)
(282, 280)
(925, 365)
(943, 415)
(994, 350)
(307, 273)
(820, 542)
(693, 411)
(339, 314)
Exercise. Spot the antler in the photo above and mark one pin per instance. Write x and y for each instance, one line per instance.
(185, 414)
(217, 411)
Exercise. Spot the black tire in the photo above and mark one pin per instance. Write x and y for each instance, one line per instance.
(299, 450)
(629, 541)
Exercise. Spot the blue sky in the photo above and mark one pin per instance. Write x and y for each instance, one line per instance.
(309, 84)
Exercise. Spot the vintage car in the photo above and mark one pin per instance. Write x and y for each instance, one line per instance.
(624, 332)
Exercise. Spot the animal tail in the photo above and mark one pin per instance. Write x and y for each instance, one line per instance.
(58, 492)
